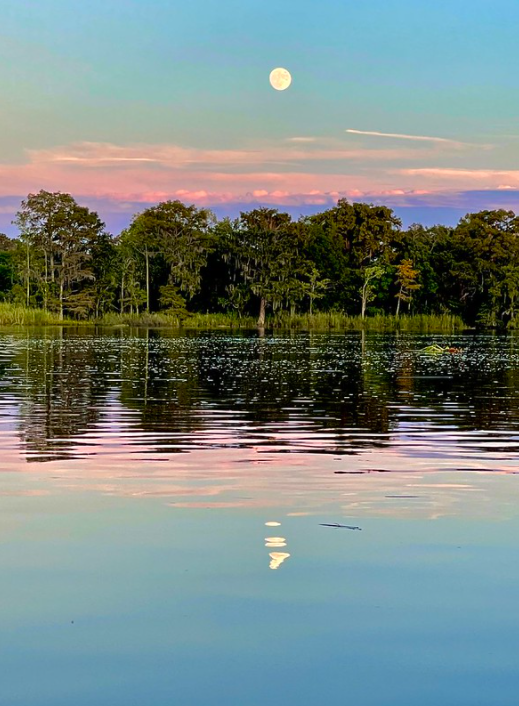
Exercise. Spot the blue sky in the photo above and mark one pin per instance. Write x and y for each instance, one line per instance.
(127, 102)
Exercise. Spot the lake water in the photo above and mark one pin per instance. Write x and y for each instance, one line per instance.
(162, 502)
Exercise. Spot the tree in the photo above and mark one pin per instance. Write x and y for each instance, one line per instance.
(178, 257)
(352, 237)
(6, 244)
(266, 249)
(105, 265)
(316, 286)
(142, 238)
(172, 301)
(367, 291)
(7, 264)
(181, 235)
(507, 290)
(484, 244)
(57, 235)
(406, 279)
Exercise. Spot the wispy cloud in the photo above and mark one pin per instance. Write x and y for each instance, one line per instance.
(302, 139)
(105, 168)
(99, 154)
(444, 177)
(401, 136)
(291, 172)
(465, 173)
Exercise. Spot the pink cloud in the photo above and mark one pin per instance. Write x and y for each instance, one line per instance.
(296, 171)
(464, 178)
(101, 155)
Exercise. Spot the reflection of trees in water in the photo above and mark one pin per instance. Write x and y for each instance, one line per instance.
(308, 377)
(61, 383)
(177, 385)
(159, 379)
(351, 392)
(254, 375)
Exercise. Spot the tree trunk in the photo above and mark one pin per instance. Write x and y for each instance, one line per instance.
(61, 300)
(398, 303)
(46, 282)
(147, 281)
(363, 310)
(121, 302)
(28, 291)
(261, 317)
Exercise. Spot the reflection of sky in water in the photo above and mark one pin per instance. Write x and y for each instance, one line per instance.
(300, 422)
(140, 513)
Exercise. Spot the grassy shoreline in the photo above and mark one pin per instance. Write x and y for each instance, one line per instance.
(332, 321)
(18, 315)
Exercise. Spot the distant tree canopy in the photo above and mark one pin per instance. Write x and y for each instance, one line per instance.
(353, 257)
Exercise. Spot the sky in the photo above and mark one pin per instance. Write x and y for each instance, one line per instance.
(124, 103)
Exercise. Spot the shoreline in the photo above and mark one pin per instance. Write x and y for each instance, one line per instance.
(16, 315)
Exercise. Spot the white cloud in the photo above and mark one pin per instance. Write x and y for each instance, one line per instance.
(401, 136)
(473, 174)
(302, 139)
(171, 156)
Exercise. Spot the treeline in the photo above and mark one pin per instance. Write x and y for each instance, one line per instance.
(354, 258)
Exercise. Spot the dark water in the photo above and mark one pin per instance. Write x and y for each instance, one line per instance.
(161, 507)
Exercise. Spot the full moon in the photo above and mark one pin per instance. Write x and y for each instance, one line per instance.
(280, 79)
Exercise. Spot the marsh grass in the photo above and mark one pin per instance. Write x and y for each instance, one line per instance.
(339, 321)
(336, 321)
(197, 321)
(19, 315)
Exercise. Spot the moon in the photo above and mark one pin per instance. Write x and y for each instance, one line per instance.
(280, 79)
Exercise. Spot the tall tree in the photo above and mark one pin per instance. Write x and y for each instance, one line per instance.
(57, 235)
(7, 263)
(406, 279)
(367, 291)
(360, 236)
(181, 235)
(266, 248)
(484, 244)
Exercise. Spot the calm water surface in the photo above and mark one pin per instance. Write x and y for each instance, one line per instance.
(162, 501)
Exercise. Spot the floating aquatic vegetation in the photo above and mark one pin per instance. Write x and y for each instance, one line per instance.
(435, 349)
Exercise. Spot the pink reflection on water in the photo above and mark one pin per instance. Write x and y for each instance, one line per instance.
(371, 484)
(418, 474)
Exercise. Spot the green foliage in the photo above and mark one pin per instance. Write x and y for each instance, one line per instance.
(176, 263)
(173, 301)
(179, 236)
(265, 249)
(334, 320)
(6, 244)
(370, 276)
(7, 273)
(19, 315)
(55, 250)
(406, 279)
(323, 321)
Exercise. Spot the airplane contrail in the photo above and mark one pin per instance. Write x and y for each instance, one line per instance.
(399, 136)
